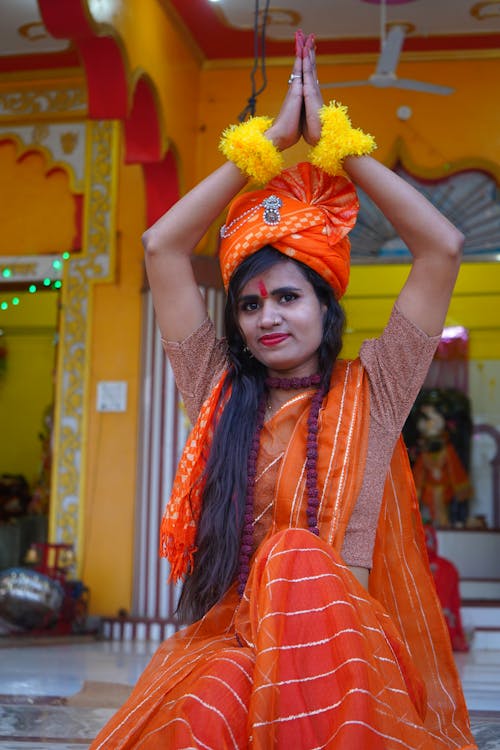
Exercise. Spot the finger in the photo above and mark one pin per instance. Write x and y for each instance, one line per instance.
(308, 44)
(309, 66)
(308, 62)
(313, 55)
(299, 42)
(296, 74)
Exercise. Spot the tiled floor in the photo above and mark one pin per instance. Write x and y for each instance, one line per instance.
(38, 710)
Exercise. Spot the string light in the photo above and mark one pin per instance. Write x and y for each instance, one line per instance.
(47, 283)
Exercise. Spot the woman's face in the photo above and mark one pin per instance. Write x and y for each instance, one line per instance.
(281, 320)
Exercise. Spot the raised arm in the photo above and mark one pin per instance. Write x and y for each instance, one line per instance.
(170, 242)
(169, 245)
(435, 244)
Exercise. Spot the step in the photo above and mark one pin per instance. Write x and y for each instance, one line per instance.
(480, 614)
(474, 552)
(486, 639)
(130, 628)
(480, 675)
(480, 588)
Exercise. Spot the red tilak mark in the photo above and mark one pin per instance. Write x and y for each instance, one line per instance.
(262, 289)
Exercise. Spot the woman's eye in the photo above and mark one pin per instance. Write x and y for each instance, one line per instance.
(249, 306)
(288, 297)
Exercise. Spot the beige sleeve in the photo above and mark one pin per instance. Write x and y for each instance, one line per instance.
(197, 364)
(397, 364)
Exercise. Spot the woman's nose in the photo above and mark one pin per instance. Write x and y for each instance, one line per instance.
(269, 317)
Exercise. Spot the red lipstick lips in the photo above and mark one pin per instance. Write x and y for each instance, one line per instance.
(271, 339)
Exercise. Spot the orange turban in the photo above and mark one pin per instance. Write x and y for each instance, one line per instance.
(304, 213)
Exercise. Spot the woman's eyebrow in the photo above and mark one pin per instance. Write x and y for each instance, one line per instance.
(248, 298)
(285, 290)
(274, 293)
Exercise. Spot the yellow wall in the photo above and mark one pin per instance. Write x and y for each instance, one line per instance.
(26, 386)
(37, 210)
(112, 437)
(36, 215)
(441, 131)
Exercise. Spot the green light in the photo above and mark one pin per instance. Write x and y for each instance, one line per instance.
(66, 256)
(47, 282)
(6, 273)
(57, 264)
(57, 284)
(32, 288)
(4, 305)
(15, 300)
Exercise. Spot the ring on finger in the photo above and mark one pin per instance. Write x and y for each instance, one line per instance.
(293, 77)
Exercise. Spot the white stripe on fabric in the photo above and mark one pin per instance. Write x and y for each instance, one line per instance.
(226, 685)
(216, 711)
(312, 610)
(318, 676)
(368, 726)
(333, 456)
(311, 644)
(174, 721)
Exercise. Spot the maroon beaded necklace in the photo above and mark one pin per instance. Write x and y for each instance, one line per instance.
(246, 547)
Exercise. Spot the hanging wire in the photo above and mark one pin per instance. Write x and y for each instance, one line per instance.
(383, 24)
(249, 110)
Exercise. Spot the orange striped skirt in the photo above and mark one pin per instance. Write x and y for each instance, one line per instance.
(308, 659)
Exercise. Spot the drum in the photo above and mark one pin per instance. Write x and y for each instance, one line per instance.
(29, 599)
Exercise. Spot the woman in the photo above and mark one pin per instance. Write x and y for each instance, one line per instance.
(293, 495)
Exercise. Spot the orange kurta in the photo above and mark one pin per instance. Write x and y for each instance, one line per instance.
(309, 659)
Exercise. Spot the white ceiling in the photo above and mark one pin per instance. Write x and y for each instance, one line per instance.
(22, 31)
(338, 19)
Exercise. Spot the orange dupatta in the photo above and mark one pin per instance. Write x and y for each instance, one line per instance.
(402, 581)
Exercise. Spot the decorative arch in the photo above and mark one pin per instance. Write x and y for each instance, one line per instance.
(102, 54)
(401, 154)
(114, 93)
(466, 191)
(145, 140)
(162, 185)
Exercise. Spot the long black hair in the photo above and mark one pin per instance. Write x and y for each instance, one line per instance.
(221, 520)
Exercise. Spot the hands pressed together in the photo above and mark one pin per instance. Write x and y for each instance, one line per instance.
(298, 116)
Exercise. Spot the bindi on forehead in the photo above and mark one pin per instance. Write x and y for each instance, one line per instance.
(262, 288)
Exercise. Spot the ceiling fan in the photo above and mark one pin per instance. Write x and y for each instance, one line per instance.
(385, 71)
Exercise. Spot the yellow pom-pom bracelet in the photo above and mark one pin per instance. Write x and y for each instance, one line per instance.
(338, 139)
(247, 147)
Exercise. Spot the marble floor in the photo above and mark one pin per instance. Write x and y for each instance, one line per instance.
(56, 696)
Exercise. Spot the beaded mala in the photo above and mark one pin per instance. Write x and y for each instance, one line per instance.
(311, 467)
